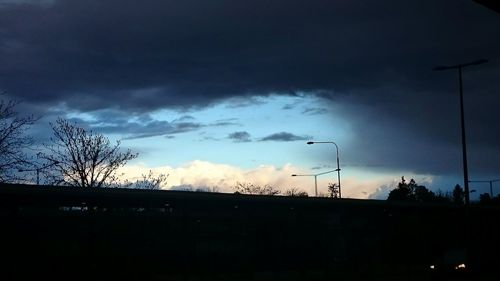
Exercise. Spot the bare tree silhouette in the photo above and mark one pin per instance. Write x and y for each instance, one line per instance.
(295, 192)
(150, 181)
(13, 140)
(83, 158)
(250, 188)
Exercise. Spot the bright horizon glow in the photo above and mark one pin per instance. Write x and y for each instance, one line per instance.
(222, 177)
(206, 156)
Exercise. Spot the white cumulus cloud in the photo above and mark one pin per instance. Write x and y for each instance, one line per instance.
(222, 177)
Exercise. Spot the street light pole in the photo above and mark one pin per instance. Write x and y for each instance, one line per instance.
(316, 185)
(315, 179)
(37, 170)
(491, 185)
(462, 119)
(338, 162)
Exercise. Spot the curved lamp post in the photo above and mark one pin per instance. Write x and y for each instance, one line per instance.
(315, 179)
(338, 162)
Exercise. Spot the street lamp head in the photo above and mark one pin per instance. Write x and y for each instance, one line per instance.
(310, 142)
(459, 66)
(294, 175)
(481, 61)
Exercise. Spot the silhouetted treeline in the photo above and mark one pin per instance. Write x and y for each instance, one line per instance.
(413, 192)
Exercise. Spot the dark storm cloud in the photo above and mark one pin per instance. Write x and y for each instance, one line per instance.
(226, 122)
(131, 126)
(136, 126)
(314, 111)
(7, 3)
(284, 136)
(184, 118)
(136, 129)
(243, 102)
(372, 57)
(95, 54)
(241, 136)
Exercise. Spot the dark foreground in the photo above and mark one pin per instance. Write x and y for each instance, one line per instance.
(50, 233)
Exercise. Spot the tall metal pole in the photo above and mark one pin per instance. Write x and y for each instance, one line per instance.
(338, 170)
(464, 143)
(316, 185)
(462, 119)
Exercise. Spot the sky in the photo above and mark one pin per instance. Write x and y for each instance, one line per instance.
(216, 92)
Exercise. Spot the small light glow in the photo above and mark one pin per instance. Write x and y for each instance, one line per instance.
(460, 266)
(432, 267)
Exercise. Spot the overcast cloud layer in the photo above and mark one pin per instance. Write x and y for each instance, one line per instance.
(373, 58)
